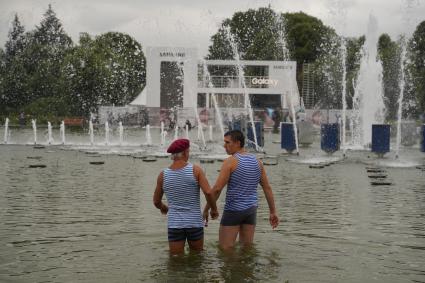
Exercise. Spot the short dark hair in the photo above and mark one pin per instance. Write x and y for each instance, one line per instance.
(236, 135)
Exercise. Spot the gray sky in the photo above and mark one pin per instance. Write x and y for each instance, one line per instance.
(192, 22)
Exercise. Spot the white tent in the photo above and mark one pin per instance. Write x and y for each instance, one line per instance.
(140, 99)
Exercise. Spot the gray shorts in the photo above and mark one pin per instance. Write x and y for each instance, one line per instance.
(235, 218)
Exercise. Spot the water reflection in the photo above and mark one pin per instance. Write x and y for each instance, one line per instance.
(213, 265)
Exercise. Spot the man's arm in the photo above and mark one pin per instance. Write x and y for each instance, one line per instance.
(267, 189)
(222, 179)
(159, 192)
(206, 189)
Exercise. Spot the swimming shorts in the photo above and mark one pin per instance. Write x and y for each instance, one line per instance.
(181, 234)
(234, 218)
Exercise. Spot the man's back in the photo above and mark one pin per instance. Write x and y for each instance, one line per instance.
(183, 195)
(243, 182)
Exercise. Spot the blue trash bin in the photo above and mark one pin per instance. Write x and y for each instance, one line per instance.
(381, 138)
(329, 134)
(287, 137)
(259, 131)
(423, 138)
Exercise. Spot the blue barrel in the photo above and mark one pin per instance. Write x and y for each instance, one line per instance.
(329, 134)
(287, 137)
(423, 138)
(380, 138)
(259, 131)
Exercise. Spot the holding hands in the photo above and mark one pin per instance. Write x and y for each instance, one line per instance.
(212, 212)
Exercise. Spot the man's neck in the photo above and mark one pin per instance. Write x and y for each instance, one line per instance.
(242, 150)
(179, 163)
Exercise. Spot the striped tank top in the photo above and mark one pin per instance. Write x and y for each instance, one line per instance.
(183, 196)
(242, 186)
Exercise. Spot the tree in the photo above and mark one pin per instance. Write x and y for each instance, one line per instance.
(308, 38)
(51, 33)
(328, 73)
(354, 46)
(109, 69)
(417, 66)
(16, 40)
(13, 75)
(258, 35)
(2, 81)
(47, 47)
(389, 54)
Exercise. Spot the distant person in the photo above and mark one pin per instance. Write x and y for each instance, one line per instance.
(241, 172)
(181, 182)
(188, 124)
(22, 121)
(276, 117)
(316, 118)
(171, 124)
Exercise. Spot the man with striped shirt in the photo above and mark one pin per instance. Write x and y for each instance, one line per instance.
(181, 182)
(241, 172)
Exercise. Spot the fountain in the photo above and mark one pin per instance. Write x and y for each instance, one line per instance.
(62, 132)
(400, 98)
(176, 132)
(162, 134)
(335, 208)
(344, 94)
(148, 135)
(91, 132)
(294, 119)
(6, 131)
(211, 133)
(49, 133)
(34, 128)
(201, 136)
(121, 132)
(247, 101)
(285, 54)
(337, 10)
(368, 105)
(207, 78)
(106, 133)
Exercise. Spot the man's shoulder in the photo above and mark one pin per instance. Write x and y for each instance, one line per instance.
(231, 158)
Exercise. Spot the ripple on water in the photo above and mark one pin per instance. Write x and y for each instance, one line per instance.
(75, 222)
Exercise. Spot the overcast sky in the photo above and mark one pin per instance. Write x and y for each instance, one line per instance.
(192, 22)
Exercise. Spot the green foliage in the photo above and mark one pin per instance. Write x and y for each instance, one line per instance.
(2, 81)
(47, 109)
(307, 37)
(328, 77)
(354, 46)
(51, 33)
(33, 61)
(220, 48)
(257, 32)
(16, 39)
(259, 35)
(389, 54)
(107, 70)
(41, 71)
(417, 65)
